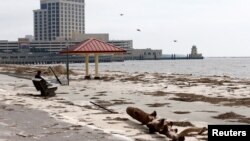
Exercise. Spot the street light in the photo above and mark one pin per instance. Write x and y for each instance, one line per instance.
(67, 63)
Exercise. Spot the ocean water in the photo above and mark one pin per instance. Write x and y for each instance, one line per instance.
(233, 67)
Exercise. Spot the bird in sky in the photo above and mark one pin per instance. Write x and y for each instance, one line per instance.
(138, 30)
(175, 40)
(121, 14)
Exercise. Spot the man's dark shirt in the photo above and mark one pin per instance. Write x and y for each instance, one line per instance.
(39, 76)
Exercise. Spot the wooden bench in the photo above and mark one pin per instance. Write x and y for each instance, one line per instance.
(41, 85)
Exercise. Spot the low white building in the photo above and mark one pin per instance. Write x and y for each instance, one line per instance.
(143, 54)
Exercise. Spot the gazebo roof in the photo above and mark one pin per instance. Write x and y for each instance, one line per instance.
(93, 46)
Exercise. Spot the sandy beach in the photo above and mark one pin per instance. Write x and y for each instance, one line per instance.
(187, 100)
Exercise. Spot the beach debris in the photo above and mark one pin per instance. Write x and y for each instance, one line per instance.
(55, 106)
(162, 126)
(23, 134)
(108, 78)
(67, 102)
(16, 70)
(3, 106)
(9, 109)
(189, 97)
(229, 115)
(73, 127)
(157, 104)
(182, 123)
(140, 115)
(181, 136)
(52, 133)
(116, 119)
(50, 126)
(233, 117)
(94, 98)
(103, 108)
(120, 102)
(181, 112)
(155, 125)
(120, 119)
(157, 93)
(135, 79)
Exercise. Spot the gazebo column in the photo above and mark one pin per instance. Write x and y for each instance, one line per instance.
(87, 76)
(96, 66)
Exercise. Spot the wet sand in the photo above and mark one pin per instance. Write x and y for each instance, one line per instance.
(23, 124)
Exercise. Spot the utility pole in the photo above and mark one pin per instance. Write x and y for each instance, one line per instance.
(67, 63)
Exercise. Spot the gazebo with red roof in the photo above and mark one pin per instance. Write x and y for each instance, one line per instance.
(93, 46)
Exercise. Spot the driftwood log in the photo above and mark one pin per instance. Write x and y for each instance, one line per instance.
(161, 126)
(140, 115)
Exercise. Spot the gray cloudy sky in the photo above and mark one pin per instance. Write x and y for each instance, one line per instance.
(216, 27)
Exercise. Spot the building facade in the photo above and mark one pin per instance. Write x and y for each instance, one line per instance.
(59, 18)
(25, 51)
(24, 45)
(125, 44)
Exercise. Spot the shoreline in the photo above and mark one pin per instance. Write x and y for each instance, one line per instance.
(181, 98)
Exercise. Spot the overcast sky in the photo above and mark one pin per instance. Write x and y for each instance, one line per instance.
(216, 27)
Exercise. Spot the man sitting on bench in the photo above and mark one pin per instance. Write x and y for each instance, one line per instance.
(42, 85)
(38, 75)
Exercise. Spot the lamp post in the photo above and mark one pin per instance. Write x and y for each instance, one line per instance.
(67, 63)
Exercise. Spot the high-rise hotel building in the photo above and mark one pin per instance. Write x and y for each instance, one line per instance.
(59, 18)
